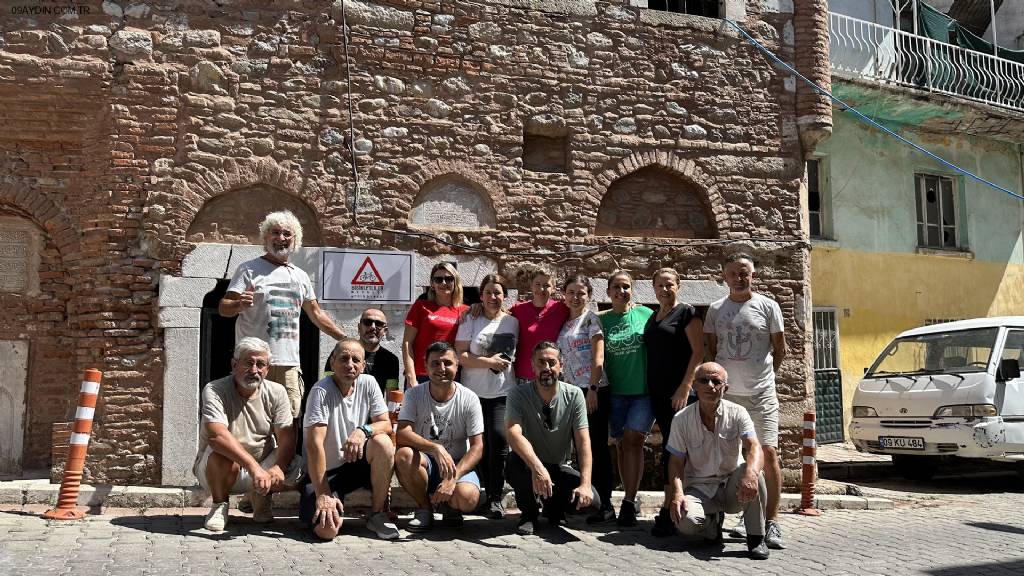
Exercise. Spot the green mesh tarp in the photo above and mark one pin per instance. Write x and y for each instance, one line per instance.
(967, 73)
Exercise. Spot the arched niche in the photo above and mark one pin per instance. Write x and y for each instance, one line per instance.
(654, 202)
(234, 217)
(449, 202)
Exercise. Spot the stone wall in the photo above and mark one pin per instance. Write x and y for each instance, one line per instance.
(148, 119)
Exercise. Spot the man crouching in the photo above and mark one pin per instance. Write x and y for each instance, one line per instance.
(705, 479)
(246, 442)
(347, 446)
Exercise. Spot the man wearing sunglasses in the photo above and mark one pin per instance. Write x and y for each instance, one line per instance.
(542, 420)
(705, 479)
(379, 361)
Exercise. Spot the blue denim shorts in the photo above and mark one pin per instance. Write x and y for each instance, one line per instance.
(434, 476)
(631, 412)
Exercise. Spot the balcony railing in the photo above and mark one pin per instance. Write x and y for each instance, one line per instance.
(867, 50)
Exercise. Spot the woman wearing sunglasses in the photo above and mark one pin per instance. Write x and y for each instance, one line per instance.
(486, 345)
(433, 319)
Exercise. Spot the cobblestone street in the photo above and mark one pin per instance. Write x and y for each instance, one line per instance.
(946, 527)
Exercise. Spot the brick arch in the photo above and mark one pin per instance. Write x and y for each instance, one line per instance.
(38, 207)
(684, 169)
(201, 190)
(416, 185)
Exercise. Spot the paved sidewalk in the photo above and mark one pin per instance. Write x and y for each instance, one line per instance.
(981, 537)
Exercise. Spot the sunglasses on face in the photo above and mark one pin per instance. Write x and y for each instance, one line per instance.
(546, 410)
(369, 322)
(715, 382)
(443, 279)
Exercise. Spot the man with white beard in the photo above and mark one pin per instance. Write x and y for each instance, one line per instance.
(246, 440)
(543, 419)
(268, 293)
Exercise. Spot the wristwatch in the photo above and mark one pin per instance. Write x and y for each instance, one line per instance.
(593, 387)
(367, 430)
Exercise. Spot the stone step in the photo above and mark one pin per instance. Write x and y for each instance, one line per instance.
(22, 492)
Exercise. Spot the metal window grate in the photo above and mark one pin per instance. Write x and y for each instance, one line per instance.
(828, 381)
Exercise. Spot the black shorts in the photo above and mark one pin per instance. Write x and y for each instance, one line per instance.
(342, 480)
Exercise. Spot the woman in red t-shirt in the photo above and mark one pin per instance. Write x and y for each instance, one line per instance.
(540, 318)
(434, 319)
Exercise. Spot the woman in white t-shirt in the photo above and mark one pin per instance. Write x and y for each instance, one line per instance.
(487, 345)
(581, 342)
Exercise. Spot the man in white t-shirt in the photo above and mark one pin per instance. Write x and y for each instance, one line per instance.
(743, 333)
(246, 439)
(268, 295)
(706, 478)
(440, 439)
(347, 445)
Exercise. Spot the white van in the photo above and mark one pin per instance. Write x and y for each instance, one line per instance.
(950, 389)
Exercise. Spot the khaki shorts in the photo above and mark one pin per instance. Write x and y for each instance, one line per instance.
(243, 484)
(291, 377)
(763, 408)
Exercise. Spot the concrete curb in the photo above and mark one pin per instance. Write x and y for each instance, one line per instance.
(23, 492)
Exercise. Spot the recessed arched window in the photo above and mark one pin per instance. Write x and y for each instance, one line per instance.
(655, 202)
(452, 203)
(234, 217)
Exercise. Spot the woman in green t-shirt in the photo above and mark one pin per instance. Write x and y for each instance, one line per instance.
(625, 364)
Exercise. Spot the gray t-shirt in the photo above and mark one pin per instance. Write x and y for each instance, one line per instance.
(342, 415)
(279, 291)
(488, 337)
(450, 424)
(552, 444)
(251, 420)
(710, 456)
(744, 332)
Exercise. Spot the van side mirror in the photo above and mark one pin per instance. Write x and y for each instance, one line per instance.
(865, 369)
(1009, 369)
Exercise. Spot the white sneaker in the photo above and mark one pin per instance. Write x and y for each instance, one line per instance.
(382, 526)
(262, 508)
(217, 519)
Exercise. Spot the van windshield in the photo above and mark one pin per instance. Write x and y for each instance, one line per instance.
(956, 352)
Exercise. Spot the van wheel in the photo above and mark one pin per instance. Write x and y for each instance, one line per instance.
(917, 468)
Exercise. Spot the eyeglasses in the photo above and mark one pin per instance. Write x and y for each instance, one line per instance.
(368, 322)
(546, 409)
(715, 382)
(443, 279)
(261, 364)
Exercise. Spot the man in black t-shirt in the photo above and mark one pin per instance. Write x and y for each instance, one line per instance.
(380, 362)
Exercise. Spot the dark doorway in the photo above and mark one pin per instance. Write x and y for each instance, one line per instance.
(217, 342)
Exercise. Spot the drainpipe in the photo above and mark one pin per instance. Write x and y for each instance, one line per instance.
(1020, 183)
(992, 15)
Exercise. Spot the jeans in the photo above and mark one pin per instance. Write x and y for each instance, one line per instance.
(492, 463)
(565, 480)
(601, 475)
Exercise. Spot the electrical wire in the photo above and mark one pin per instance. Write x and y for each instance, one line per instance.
(868, 120)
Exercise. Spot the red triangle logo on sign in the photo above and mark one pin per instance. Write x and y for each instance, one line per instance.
(367, 275)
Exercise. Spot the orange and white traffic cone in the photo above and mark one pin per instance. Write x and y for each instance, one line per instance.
(67, 501)
(807, 457)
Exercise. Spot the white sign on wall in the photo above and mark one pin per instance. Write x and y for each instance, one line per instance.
(367, 276)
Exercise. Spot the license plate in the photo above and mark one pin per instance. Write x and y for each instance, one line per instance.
(901, 442)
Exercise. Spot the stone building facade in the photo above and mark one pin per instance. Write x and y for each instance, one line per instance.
(142, 142)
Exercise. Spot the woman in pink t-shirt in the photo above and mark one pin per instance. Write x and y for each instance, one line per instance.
(434, 319)
(539, 319)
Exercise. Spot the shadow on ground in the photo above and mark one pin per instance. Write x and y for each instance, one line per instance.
(1008, 567)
